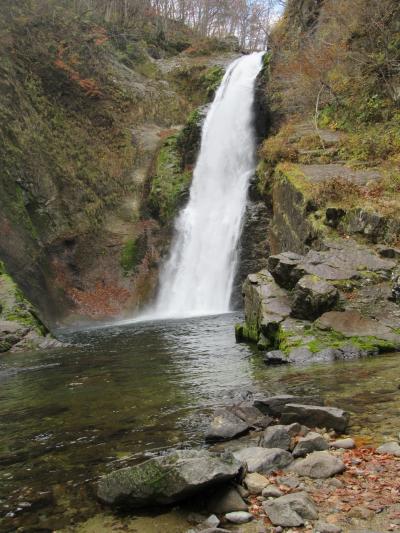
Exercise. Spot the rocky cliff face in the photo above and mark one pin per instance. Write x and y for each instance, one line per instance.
(83, 119)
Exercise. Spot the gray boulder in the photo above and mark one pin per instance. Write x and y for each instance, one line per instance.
(276, 357)
(312, 442)
(251, 415)
(316, 416)
(225, 425)
(263, 460)
(291, 510)
(167, 479)
(276, 437)
(275, 405)
(312, 297)
(318, 465)
(391, 448)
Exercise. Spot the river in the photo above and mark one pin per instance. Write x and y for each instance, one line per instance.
(122, 393)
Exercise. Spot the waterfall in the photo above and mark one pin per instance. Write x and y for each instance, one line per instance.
(198, 276)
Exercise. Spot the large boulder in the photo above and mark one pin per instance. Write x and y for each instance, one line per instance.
(263, 460)
(312, 297)
(316, 416)
(225, 425)
(291, 510)
(318, 465)
(167, 479)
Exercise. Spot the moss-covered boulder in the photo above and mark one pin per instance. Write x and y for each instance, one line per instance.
(167, 479)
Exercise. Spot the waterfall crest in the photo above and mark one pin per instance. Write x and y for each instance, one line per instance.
(197, 277)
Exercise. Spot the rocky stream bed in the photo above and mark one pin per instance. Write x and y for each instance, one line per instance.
(275, 464)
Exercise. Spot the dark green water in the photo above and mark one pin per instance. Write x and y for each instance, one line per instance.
(67, 416)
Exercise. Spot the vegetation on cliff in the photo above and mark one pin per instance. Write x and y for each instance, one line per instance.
(336, 66)
(87, 90)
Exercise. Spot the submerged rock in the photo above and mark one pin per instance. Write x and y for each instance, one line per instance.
(167, 479)
(251, 415)
(291, 510)
(276, 357)
(316, 416)
(319, 465)
(225, 425)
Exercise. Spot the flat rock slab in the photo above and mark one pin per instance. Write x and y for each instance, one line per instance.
(263, 460)
(291, 510)
(318, 465)
(319, 173)
(316, 416)
(167, 479)
(225, 425)
(275, 405)
(353, 324)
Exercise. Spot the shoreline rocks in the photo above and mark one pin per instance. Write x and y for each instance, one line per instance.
(253, 482)
(167, 479)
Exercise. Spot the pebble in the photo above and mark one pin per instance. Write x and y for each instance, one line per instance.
(239, 517)
(346, 444)
(212, 521)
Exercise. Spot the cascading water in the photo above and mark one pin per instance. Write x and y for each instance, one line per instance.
(197, 278)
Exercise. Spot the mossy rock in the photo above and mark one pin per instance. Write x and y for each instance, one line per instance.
(170, 183)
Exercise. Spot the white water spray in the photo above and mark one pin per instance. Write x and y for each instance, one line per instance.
(197, 278)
